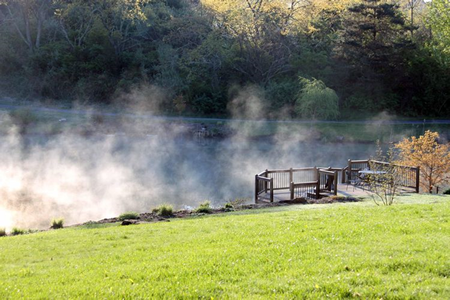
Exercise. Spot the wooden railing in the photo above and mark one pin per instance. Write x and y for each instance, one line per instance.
(305, 189)
(352, 169)
(311, 182)
(283, 178)
(328, 180)
(406, 176)
(262, 185)
(301, 182)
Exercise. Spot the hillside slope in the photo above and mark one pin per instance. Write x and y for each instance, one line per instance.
(345, 250)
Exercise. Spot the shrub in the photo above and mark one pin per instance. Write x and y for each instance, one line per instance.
(57, 223)
(384, 182)
(432, 157)
(447, 192)
(360, 101)
(205, 104)
(228, 207)
(129, 216)
(204, 207)
(316, 100)
(17, 231)
(2, 232)
(281, 93)
(164, 210)
(238, 202)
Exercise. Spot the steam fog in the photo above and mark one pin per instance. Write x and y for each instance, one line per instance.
(142, 163)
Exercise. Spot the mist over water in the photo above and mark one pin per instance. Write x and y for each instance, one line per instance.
(99, 169)
(83, 178)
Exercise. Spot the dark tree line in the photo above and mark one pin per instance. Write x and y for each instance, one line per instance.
(373, 55)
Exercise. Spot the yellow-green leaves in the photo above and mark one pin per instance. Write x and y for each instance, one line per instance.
(432, 158)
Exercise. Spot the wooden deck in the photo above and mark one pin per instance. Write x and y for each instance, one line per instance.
(344, 189)
(316, 182)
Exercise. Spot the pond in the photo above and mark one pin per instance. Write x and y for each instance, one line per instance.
(83, 175)
(88, 178)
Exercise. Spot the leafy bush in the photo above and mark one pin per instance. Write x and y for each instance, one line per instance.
(57, 223)
(238, 202)
(360, 101)
(281, 94)
(17, 231)
(2, 232)
(129, 216)
(432, 157)
(384, 182)
(205, 105)
(316, 100)
(204, 207)
(228, 207)
(447, 192)
(164, 210)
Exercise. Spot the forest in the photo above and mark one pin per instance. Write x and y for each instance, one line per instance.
(318, 59)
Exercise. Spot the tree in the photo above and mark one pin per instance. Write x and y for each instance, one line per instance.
(76, 19)
(120, 18)
(374, 44)
(439, 24)
(373, 34)
(432, 158)
(413, 9)
(316, 100)
(261, 32)
(28, 17)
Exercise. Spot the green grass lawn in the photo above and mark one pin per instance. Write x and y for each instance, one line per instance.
(316, 251)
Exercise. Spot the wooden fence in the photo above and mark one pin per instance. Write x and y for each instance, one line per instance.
(317, 182)
(302, 182)
(408, 177)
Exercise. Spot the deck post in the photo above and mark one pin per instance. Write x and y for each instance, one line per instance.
(317, 179)
(418, 180)
(330, 185)
(271, 189)
(292, 190)
(349, 171)
(318, 189)
(265, 182)
(291, 175)
(335, 182)
(256, 188)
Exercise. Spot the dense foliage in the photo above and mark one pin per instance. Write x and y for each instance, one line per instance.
(432, 158)
(191, 56)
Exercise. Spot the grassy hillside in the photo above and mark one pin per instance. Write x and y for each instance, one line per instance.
(346, 250)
